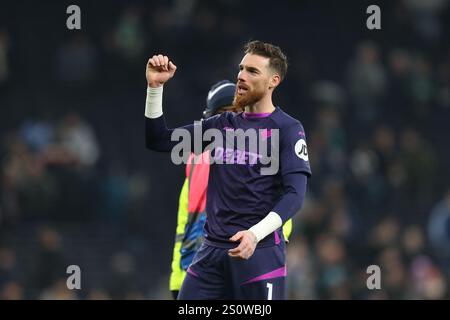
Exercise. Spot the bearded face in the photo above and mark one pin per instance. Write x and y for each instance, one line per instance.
(246, 96)
(253, 81)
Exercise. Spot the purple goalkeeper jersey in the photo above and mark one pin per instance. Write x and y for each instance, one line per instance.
(239, 196)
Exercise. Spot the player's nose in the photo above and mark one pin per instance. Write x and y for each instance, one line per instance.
(241, 76)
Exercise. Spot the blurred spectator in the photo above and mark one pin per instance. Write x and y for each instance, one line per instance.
(8, 266)
(419, 161)
(384, 145)
(426, 17)
(439, 231)
(301, 276)
(327, 93)
(38, 135)
(138, 188)
(129, 36)
(328, 149)
(428, 282)
(76, 61)
(122, 283)
(385, 234)
(78, 139)
(332, 271)
(28, 189)
(399, 64)
(400, 69)
(98, 294)
(421, 88)
(11, 291)
(313, 221)
(413, 242)
(394, 273)
(368, 183)
(115, 194)
(49, 270)
(182, 12)
(58, 291)
(43, 165)
(367, 82)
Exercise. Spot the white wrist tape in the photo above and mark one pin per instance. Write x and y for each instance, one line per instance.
(267, 225)
(153, 103)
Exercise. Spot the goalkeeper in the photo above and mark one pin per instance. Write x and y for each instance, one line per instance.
(192, 201)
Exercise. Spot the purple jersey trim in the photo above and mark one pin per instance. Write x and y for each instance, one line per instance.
(189, 270)
(277, 238)
(277, 273)
(249, 115)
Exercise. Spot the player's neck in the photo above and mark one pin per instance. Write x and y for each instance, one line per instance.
(264, 105)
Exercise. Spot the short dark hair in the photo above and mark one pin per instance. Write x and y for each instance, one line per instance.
(277, 59)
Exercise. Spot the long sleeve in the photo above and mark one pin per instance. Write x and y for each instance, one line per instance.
(294, 193)
(158, 136)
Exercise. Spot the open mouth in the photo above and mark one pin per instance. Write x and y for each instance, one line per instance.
(241, 89)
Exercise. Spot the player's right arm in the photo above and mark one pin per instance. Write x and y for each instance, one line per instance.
(159, 70)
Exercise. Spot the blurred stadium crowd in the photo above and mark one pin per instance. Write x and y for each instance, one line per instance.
(78, 187)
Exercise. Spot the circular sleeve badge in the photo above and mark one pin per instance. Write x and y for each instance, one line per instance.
(301, 150)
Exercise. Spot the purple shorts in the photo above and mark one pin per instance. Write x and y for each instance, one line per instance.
(213, 275)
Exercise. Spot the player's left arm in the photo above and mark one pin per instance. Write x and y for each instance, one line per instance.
(290, 203)
(295, 171)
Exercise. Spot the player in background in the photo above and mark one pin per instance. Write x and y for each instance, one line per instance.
(192, 201)
(243, 253)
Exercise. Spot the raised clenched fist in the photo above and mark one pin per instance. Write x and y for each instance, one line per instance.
(159, 70)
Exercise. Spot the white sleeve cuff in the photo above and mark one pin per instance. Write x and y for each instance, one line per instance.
(153, 103)
(267, 225)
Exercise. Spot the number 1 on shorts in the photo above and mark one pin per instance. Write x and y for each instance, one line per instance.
(269, 293)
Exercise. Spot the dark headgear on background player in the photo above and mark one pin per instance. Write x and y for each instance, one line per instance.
(220, 95)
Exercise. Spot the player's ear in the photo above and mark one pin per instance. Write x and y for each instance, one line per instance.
(274, 81)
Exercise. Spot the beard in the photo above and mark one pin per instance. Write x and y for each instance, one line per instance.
(249, 98)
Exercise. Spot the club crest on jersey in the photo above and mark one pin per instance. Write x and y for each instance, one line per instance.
(301, 150)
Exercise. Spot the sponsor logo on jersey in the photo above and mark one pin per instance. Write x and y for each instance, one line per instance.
(301, 150)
